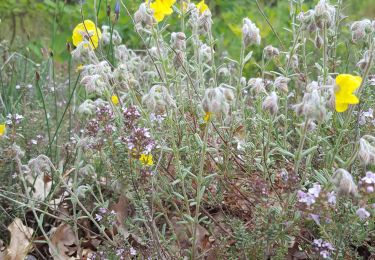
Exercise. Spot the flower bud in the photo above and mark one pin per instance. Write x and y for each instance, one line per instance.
(312, 106)
(257, 85)
(178, 41)
(205, 22)
(324, 14)
(360, 29)
(158, 100)
(143, 16)
(110, 36)
(344, 183)
(94, 84)
(250, 33)
(117, 9)
(224, 72)
(228, 93)
(271, 52)
(178, 58)
(270, 103)
(281, 83)
(294, 60)
(205, 53)
(367, 149)
(307, 21)
(217, 101)
(364, 62)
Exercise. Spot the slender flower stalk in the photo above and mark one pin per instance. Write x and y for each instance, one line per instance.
(298, 156)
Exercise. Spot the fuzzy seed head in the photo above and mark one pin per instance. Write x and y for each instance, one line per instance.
(344, 183)
(250, 33)
(367, 150)
(271, 52)
(270, 103)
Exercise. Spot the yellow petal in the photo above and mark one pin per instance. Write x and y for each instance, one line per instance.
(2, 129)
(159, 16)
(207, 116)
(351, 99)
(84, 28)
(115, 100)
(79, 68)
(348, 83)
(202, 6)
(169, 2)
(146, 159)
(341, 107)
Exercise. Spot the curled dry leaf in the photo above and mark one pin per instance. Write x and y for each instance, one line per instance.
(19, 241)
(41, 186)
(121, 208)
(184, 233)
(63, 241)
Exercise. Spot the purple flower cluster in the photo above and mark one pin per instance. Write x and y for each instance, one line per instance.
(92, 128)
(13, 120)
(324, 248)
(104, 113)
(140, 141)
(362, 213)
(101, 127)
(365, 116)
(131, 115)
(367, 183)
(120, 253)
(104, 213)
(97, 256)
(157, 118)
(309, 197)
(331, 198)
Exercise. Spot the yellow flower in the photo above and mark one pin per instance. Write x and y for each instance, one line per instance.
(79, 68)
(87, 31)
(2, 129)
(202, 6)
(162, 8)
(207, 116)
(344, 95)
(146, 159)
(114, 100)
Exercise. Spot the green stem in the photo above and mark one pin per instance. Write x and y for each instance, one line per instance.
(298, 158)
(198, 192)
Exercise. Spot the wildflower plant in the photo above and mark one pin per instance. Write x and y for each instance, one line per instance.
(177, 149)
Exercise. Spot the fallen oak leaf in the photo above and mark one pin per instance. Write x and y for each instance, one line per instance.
(184, 233)
(121, 209)
(63, 240)
(20, 240)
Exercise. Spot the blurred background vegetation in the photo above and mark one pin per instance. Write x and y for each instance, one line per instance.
(41, 26)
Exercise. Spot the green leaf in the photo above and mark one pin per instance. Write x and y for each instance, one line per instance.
(308, 151)
(247, 58)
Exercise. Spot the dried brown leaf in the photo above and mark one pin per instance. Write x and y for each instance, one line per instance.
(122, 211)
(20, 240)
(63, 241)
